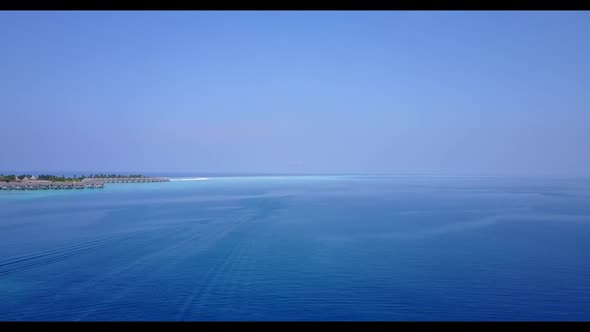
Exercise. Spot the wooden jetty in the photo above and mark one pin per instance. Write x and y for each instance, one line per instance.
(87, 183)
(125, 180)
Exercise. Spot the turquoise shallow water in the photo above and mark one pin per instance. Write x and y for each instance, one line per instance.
(300, 248)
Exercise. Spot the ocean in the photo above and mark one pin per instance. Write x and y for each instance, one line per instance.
(300, 248)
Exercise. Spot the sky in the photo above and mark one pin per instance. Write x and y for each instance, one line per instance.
(398, 92)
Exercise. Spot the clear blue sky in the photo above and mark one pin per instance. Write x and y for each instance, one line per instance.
(318, 92)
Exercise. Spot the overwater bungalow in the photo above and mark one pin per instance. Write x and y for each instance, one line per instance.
(87, 183)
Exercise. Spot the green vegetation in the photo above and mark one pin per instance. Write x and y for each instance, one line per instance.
(59, 178)
(7, 178)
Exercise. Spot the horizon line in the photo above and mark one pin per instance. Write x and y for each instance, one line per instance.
(259, 173)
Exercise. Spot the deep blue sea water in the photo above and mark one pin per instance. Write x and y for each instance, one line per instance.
(300, 248)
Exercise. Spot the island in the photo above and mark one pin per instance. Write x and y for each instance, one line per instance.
(92, 181)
